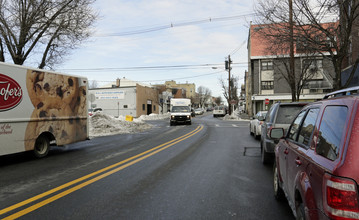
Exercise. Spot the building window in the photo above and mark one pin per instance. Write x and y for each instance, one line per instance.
(267, 85)
(125, 106)
(313, 64)
(267, 65)
(143, 107)
(154, 108)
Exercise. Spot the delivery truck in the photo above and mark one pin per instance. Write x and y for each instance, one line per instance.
(40, 108)
(180, 109)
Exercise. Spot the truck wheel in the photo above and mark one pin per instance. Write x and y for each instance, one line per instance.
(42, 147)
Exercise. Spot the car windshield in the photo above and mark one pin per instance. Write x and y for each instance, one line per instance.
(180, 109)
(287, 113)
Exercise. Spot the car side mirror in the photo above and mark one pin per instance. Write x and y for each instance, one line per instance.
(276, 133)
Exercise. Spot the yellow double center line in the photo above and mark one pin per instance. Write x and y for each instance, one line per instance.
(115, 168)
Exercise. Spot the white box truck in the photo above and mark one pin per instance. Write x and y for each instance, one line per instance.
(180, 111)
(39, 108)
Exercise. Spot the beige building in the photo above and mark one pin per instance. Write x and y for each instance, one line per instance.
(190, 88)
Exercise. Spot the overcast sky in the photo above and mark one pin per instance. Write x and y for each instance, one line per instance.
(132, 34)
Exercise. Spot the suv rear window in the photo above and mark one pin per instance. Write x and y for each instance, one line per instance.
(286, 113)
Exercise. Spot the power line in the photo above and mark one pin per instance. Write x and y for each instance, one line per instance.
(179, 78)
(150, 68)
(238, 48)
(172, 25)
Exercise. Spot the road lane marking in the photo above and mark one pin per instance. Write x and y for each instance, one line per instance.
(127, 162)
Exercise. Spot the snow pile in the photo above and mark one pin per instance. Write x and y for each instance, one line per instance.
(233, 117)
(102, 125)
(155, 116)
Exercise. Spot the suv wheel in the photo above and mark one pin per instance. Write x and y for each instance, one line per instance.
(278, 191)
(266, 157)
(256, 136)
(300, 212)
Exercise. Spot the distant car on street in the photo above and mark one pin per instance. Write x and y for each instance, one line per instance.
(219, 111)
(256, 123)
(199, 111)
(93, 111)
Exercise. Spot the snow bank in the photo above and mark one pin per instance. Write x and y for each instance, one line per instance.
(155, 116)
(234, 117)
(102, 125)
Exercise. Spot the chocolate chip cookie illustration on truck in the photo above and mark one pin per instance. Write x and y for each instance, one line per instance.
(60, 109)
(40, 108)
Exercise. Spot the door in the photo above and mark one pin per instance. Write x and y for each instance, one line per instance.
(301, 134)
(287, 154)
(149, 107)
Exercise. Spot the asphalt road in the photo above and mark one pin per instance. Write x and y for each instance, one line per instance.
(208, 170)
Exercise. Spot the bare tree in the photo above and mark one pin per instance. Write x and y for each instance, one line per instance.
(93, 84)
(203, 94)
(323, 27)
(234, 89)
(46, 27)
(218, 100)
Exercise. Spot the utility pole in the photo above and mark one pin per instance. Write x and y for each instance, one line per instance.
(291, 48)
(228, 67)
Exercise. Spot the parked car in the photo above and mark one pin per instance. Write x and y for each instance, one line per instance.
(317, 162)
(256, 122)
(219, 111)
(280, 115)
(93, 111)
(199, 111)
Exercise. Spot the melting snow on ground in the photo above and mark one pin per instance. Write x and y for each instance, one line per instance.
(102, 124)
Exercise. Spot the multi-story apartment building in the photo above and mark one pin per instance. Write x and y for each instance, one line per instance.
(189, 88)
(353, 47)
(265, 80)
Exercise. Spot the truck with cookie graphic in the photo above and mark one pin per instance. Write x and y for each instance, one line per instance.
(40, 108)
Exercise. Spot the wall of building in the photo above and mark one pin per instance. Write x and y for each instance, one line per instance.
(190, 88)
(147, 101)
(115, 101)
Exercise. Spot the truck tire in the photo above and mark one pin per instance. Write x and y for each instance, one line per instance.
(42, 146)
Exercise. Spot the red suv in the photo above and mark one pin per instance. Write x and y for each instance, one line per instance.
(317, 162)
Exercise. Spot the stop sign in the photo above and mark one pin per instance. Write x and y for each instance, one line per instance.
(266, 101)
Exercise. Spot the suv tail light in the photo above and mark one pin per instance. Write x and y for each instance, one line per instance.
(340, 197)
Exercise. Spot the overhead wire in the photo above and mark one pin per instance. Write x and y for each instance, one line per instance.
(172, 25)
(149, 68)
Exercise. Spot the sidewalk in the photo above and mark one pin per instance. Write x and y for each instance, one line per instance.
(244, 116)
